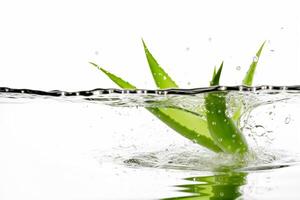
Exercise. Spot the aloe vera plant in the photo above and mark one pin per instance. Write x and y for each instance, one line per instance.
(221, 127)
(217, 132)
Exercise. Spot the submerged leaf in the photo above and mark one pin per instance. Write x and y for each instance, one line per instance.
(186, 123)
(221, 128)
(161, 78)
(248, 79)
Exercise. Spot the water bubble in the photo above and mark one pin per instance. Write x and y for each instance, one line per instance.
(259, 130)
(264, 87)
(255, 59)
(270, 87)
(287, 120)
(238, 68)
(222, 88)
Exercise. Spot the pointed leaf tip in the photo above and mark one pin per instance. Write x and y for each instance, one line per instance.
(248, 79)
(94, 64)
(161, 78)
(216, 76)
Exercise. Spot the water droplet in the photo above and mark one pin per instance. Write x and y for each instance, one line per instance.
(270, 87)
(259, 130)
(219, 111)
(272, 50)
(221, 194)
(214, 123)
(287, 120)
(222, 88)
(238, 68)
(187, 48)
(165, 78)
(209, 39)
(96, 53)
(233, 135)
(189, 83)
(255, 59)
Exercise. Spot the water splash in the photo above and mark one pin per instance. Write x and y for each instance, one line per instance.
(263, 155)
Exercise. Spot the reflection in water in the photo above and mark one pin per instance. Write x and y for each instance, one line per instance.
(219, 186)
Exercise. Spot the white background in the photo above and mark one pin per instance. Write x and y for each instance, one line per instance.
(48, 44)
(45, 148)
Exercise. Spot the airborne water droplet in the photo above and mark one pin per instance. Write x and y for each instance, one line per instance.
(238, 68)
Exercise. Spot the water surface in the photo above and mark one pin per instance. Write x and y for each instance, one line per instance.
(83, 144)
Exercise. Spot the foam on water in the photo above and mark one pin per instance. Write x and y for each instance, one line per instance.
(259, 106)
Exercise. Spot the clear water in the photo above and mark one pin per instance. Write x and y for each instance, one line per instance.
(103, 144)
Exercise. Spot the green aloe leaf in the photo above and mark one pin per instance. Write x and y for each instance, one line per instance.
(222, 128)
(248, 79)
(187, 124)
(216, 75)
(161, 78)
(120, 82)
